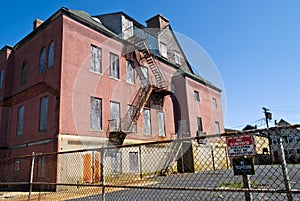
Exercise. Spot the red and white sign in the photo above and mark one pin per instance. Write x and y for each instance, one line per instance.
(240, 146)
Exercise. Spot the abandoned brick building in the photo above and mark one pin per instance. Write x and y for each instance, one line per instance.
(81, 81)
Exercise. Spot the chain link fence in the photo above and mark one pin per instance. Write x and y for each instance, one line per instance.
(261, 164)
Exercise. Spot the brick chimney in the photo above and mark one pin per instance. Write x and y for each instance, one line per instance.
(37, 23)
(158, 21)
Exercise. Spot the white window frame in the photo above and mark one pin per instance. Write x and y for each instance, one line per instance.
(177, 57)
(163, 50)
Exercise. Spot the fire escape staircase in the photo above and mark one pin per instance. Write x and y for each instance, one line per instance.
(171, 156)
(142, 96)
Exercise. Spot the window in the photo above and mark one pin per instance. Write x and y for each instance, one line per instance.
(41, 166)
(133, 162)
(144, 76)
(96, 59)
(96, 113)
(218, 130)
(163, 50)
(129, 72)
(130, 117)
(23, 73)
(51, 55)
(199, 124)
(116, 162)
(197, 96)
(43, 113)
(177, 57)
(115, 116)
(214, 101)
(1, 78)
(161, 124)
(20, 121)
(114, 66)
(42, 60)
(147, 122)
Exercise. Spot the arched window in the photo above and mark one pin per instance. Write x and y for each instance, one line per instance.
(51, 54)
(23, 72)
(42, 60)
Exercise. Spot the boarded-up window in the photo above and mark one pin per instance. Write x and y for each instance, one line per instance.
(147, 122)
(161, 124)
(129, 72)
(41, 166)
(1, 78)
(114, 66)
(97, 168)
(87, 174)
(43, 113)
(96, 113)
(42, 60)
(23, 73)
(177, 57)
(20, 121)
(127, 28)
(96, 59)
(163, 50)
(133, 162)
(115, 116)
(51, 54)
(116, 162)
(218, 130)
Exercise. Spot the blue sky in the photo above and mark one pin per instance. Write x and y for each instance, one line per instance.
(255, 45)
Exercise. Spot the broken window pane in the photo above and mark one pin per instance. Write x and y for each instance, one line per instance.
(115, 116)
(129, 72)
(114, 66)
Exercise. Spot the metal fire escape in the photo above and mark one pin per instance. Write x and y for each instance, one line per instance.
(139, 46)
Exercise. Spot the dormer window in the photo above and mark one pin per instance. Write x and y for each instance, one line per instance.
(177, 57)
(163, 50)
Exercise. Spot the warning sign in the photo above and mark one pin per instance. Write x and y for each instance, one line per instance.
(240, 146)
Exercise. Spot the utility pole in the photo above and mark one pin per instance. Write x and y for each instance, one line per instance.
(268, 116)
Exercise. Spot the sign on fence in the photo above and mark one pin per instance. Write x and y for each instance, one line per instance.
(243, 166)
(240, 146)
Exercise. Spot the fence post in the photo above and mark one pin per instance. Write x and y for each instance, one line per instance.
(31, 176)
(247, 185)
(284, 168)
(141, 169)
(213, 157)
(103, 150)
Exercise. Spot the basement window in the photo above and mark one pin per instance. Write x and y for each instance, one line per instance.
(96, 59)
